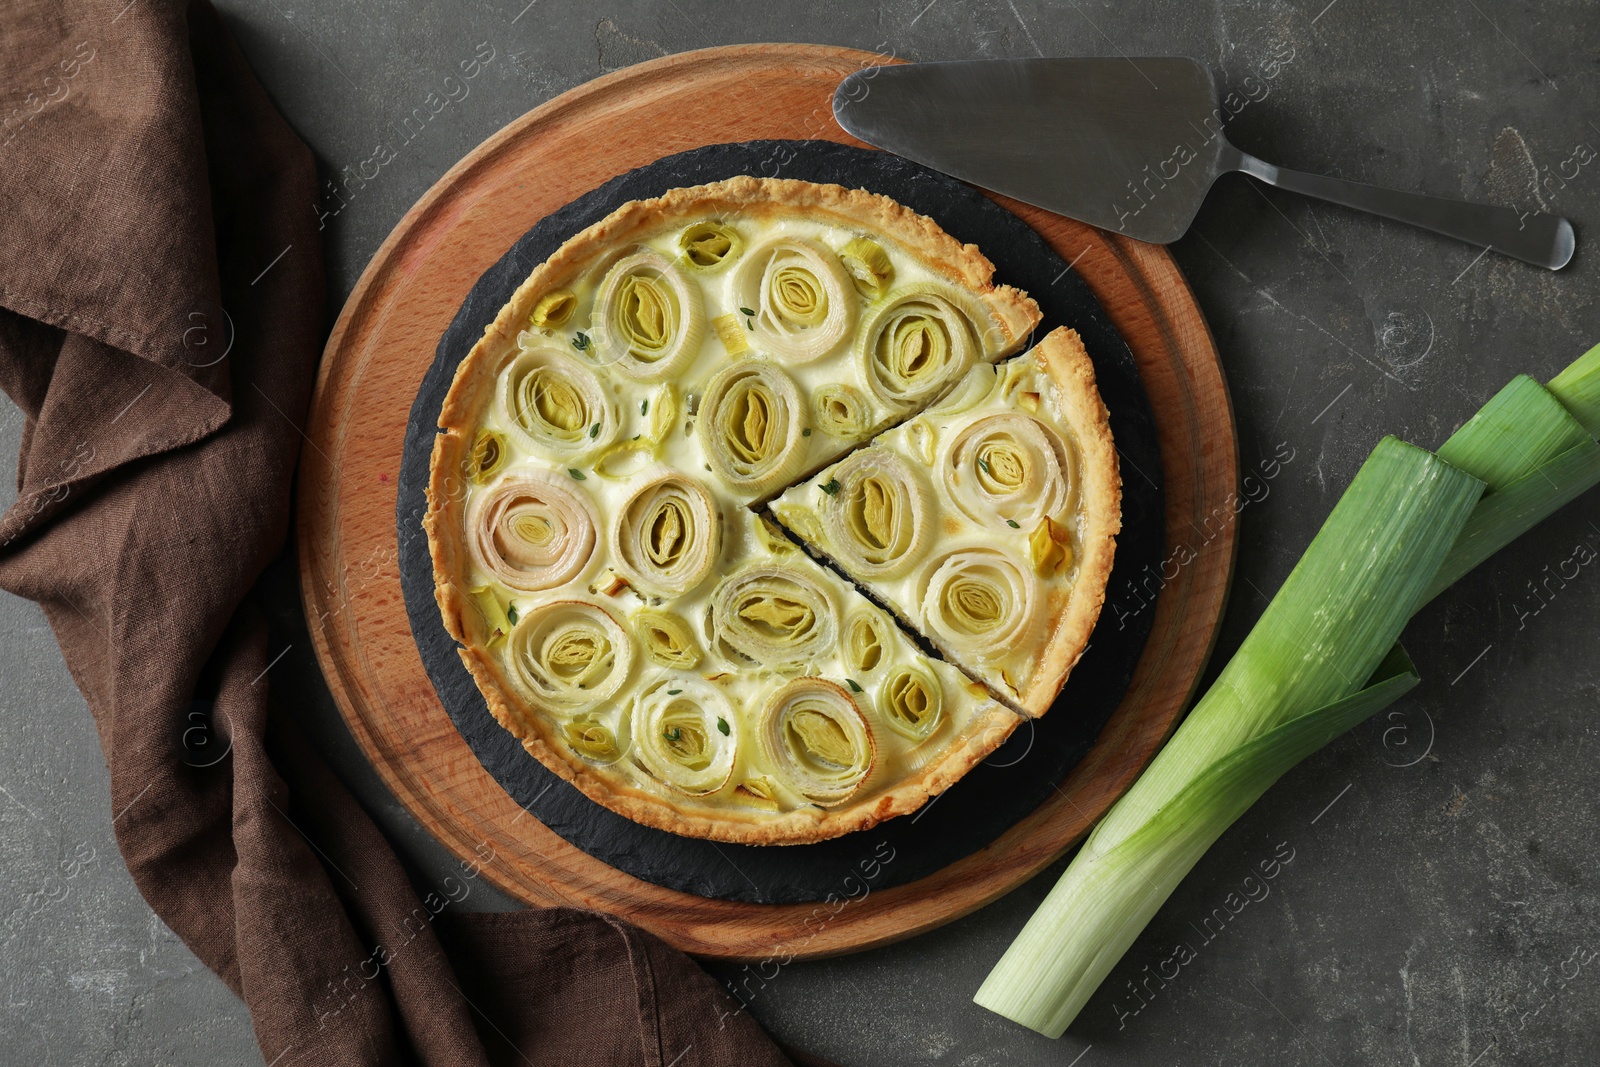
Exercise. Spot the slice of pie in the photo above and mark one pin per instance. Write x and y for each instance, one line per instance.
(595, 515)
(987, 521)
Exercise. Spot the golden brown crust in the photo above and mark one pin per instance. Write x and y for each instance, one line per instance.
(445, 524)
(1014, 316)
(1064, 359)
(979, 738)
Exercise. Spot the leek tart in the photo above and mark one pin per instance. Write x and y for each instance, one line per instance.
(597, 508)
(988, 521)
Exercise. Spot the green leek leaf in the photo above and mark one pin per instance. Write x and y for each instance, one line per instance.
(1502, 517)
(1534, 453)
(1578, 389)
(1521, 427)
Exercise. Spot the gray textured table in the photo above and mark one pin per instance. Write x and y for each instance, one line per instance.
(1443, 880)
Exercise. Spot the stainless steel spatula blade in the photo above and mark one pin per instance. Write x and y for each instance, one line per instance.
(1130, 145)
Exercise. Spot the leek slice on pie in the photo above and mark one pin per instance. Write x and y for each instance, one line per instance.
(987, 522)
(596, 510)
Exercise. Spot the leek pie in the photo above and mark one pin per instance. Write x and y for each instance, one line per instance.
(606, 548)
(988, 520)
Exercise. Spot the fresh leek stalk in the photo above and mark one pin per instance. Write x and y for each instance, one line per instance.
(1535, 446)
(1321, 659)
(1578, 389)
(1090, 919)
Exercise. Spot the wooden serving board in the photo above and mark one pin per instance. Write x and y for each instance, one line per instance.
(385, 339)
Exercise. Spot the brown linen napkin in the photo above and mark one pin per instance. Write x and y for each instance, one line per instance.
(160, 317)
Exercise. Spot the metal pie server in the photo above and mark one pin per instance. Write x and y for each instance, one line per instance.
(1130, 145)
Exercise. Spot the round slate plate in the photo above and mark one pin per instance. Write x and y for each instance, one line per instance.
(992, 797)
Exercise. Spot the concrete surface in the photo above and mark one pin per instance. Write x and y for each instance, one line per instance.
(1441, 897)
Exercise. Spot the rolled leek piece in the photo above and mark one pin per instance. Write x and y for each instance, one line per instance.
(532, 531)
(817, 740)
(841, 411)
(710, 245)
(555, 403)
(1327, 631)
(553, 310)
(592, 739)
(569, 655)
(866, 637)
(487, 456)
(877, 519)
(751, 426)
(868, 266)
(912, 703)
(917, 344)
(667, 536)
(685, 734)
(648, 318)
(978, 603)
(1009, 471)
(666, 639)
(802, 303)
(775, 616)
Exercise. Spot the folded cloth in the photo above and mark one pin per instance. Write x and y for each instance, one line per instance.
(160, 316)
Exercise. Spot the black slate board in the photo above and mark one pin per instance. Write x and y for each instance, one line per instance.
(994, 796)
